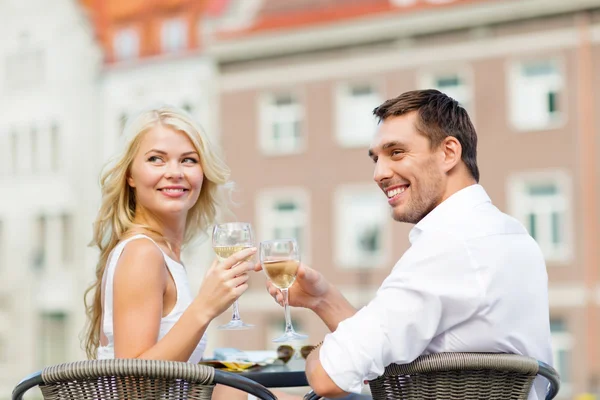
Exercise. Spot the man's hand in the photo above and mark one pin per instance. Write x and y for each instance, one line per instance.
(307, 291)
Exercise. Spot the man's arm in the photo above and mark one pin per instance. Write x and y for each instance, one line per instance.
(433, 289)
(319, 380)
(333, 308)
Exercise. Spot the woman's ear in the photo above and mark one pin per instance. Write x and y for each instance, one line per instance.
(130, 181)
(452, 152)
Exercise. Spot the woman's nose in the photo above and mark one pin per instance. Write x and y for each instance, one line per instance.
(174, 173)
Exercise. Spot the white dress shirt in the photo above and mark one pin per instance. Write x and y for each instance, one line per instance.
(473, 280)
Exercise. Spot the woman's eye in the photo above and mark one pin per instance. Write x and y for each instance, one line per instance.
(154, 159)
(190, 160)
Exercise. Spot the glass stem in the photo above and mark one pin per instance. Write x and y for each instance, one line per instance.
(236, 312)
(236, 309)
(286, 310)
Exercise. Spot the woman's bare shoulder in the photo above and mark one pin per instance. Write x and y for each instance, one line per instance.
(141, 261)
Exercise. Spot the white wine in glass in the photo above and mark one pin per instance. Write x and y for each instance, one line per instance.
(280, 260)
(282, 273)
(224, 252)
(227, 240)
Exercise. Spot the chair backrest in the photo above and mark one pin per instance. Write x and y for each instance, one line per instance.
(464, 376)
(134, 379)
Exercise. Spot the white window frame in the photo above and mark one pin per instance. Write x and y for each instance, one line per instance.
(269, 114)
(427, 80)
(5, 332)
(346, 113)
(520, 207)
(563, 341)
(25, 69)
(126, 44)
(267, 218)
(47, 350)
(3, 255)
(516, 85)
(174, 35)
(343, 227)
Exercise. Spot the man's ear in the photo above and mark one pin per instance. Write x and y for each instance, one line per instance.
(452, 152)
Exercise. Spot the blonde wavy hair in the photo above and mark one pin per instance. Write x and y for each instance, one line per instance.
(117, 211)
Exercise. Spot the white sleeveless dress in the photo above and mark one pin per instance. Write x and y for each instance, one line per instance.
(184, 299)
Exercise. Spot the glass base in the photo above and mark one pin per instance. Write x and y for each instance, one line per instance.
(235, 325)
(290, 337)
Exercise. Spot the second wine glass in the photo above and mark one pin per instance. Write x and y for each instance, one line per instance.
(280, 259)
(227, 240)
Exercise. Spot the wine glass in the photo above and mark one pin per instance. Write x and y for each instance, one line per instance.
(280, 259)
(228, 239)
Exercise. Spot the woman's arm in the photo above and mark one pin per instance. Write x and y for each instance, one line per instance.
(139, 286)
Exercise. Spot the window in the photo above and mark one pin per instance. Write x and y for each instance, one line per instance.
(188, 108)
(5, 331)
(39, 250)
(542, 203)
(25, 69)
(3, 349)
(34, 149)
(361, 220)
(54, 147)
(52, 338)
(14, 151)
(2, 245)
(535, 95)
(283, 214)
(67, 237)
(453, 84)
(126, 44)
(122, 123)
(356, 123)
(174, 35)
(281, 120)
(562, 343)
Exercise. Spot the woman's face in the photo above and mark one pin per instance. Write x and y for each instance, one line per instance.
(166, 173)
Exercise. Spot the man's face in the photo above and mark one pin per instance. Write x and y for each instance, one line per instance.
(407, 169)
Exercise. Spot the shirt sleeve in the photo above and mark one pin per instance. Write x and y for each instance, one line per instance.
(433, 287)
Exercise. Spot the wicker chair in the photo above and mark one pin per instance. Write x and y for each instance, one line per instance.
(133, 379)
(464, 376)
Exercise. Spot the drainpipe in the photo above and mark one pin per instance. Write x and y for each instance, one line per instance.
(588, 183)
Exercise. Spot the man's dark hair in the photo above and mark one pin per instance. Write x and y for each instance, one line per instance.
(438, 116)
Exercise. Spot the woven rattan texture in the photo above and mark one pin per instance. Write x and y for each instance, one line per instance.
(127, 379)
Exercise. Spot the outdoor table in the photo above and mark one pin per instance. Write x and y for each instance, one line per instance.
(279, 375)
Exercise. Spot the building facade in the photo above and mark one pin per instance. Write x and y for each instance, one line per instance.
(48, 134)
(300, 81)
(287, 89)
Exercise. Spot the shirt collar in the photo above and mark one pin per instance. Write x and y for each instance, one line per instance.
(463, 200)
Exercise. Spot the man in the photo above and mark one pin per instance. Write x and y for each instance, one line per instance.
(473, 280)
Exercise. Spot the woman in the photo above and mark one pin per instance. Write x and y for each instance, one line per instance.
(160, 194)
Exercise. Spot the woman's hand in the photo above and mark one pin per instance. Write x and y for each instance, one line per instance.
(224, 283)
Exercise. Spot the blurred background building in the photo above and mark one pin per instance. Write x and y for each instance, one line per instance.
(287, 88)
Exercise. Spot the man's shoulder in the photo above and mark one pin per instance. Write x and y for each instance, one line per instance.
(459, 233)
(484, 220)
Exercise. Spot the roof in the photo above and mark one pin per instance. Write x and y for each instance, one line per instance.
(277, 15)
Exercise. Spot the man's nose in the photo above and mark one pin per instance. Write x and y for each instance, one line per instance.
(382, 171)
